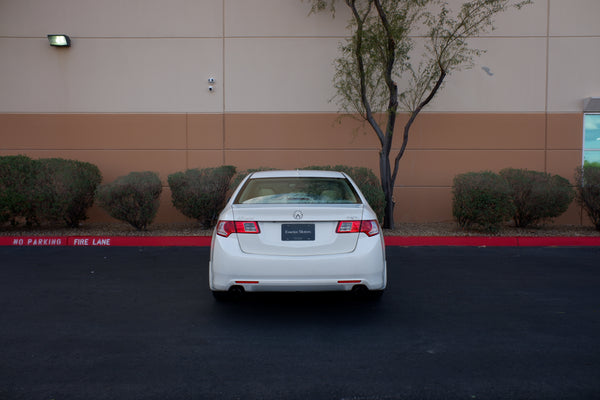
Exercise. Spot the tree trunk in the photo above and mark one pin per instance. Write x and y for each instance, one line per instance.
(388, 188)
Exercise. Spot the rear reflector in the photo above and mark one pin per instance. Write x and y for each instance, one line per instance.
(246, 282)
(226, 228)
(370, 227)
(355, 281)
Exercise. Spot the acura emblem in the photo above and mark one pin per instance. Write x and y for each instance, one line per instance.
(298, 214)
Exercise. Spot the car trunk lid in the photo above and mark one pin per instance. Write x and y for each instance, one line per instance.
(298, 230)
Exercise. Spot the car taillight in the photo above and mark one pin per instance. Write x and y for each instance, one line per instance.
(370, 227)
(226, 228)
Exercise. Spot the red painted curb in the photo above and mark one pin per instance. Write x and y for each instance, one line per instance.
(34, 241)
(164, 241)
(150, 241)
(492, 241)
(559, 241)
(450, 241)
(106, 241)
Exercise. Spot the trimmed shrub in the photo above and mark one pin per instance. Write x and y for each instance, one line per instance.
(481, 200)
(133, 198)
(67, 190)
(18, 189)
(537, 196)
(201, 193)
(367, 182)
(588, 192)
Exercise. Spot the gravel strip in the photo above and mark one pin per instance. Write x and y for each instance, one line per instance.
(107, 229)
(194, 229)
(452, 229)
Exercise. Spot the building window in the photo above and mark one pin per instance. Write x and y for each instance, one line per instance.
(591, 131)
(591, 141)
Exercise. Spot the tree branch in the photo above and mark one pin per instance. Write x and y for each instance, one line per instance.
(390, 61)
(412, 118)
(360, 21)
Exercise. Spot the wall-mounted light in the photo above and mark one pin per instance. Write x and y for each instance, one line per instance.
(59, 40)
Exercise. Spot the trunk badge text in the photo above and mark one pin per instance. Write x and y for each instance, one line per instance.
(298, 214)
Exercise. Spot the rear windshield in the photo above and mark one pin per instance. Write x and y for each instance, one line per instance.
(297, 191)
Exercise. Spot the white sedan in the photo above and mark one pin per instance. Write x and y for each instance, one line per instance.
(297, 231)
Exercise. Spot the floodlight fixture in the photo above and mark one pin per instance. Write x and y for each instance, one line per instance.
(59, 40)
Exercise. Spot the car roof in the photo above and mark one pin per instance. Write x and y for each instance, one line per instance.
(299, 173)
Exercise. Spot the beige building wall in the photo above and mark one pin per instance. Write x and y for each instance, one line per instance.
(131, 94)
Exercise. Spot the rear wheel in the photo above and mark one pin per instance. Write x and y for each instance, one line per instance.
(220, 296)
(375, 294)
(234, 293)
(363, 293)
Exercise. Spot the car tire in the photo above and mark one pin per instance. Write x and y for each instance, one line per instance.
(221, 296)
(233, 294)
(362, 293)
(375, 295)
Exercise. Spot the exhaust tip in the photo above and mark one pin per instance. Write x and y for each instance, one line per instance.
(360, 290)
(236, 291)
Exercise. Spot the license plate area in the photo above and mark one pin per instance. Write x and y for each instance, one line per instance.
(297, 232)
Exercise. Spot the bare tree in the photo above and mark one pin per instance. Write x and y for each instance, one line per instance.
(375, 77)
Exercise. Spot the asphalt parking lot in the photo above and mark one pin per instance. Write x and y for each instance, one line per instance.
(455, 323)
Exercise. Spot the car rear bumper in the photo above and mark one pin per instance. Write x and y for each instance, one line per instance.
(229, 266)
